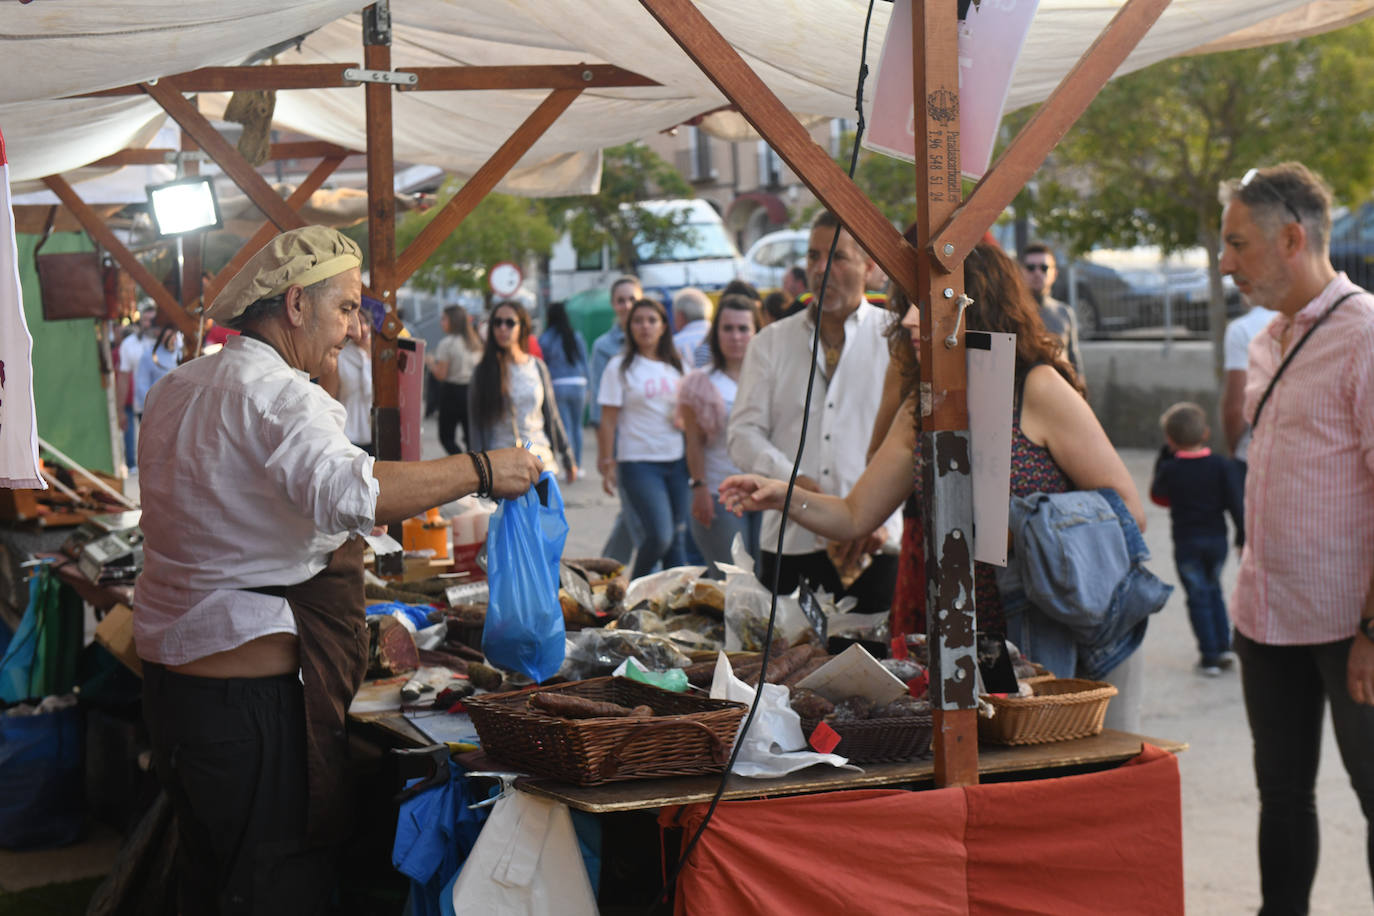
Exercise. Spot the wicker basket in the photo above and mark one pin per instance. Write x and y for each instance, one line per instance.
(1060, 709)
(688, 735)
(880, 740)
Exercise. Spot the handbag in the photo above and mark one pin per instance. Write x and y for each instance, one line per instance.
(71, 284)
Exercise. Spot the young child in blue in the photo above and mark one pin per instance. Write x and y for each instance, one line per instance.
(1198, 488)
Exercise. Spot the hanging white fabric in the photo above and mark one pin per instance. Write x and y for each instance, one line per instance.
(18, 421)
(526, 862)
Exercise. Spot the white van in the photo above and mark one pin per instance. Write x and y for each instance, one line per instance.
(709, 261)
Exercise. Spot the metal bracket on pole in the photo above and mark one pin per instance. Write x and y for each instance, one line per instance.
(377, 23)
(395, 77)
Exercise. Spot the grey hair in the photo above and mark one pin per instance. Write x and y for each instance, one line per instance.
(264, 309)
(1277, 188)
(692, 304)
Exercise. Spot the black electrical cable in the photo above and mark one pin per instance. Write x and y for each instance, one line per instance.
(791, 481)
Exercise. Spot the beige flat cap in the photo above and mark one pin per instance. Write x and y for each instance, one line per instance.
(296, 258)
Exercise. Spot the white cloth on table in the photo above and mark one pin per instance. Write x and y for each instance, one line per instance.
(257, 485)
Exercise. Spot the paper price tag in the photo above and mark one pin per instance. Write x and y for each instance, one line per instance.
(824, 738)
(899, 648)
(919, 685)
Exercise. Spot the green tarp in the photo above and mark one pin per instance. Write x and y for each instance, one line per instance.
(67, 390)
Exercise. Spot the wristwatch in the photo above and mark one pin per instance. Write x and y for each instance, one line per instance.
(1367, 627)
(694, 483)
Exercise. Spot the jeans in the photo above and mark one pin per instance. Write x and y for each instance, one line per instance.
(570, 400)
(130, 437)
(1199, 561)
(453, 413)
(714, 542)
(658, 495)
(627, 531)
(1285, 689)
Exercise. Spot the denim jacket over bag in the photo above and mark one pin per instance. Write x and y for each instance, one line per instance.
(1076, 593)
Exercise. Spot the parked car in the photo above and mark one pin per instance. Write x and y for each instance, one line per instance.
(1352, 244)
(1121, 297)
(769, 258)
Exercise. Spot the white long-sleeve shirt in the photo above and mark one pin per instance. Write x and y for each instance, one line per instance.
(247, 480)
(765, 423)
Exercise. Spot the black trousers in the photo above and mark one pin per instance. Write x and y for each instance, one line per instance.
(873, 590)
(231, 754)
(453, 413)
(1287, 689)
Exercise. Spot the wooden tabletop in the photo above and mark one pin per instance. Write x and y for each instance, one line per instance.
(1101, 750)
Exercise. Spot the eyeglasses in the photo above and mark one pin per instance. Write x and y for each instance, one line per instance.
(1250, 177)
(504, 322)
(1043, 268)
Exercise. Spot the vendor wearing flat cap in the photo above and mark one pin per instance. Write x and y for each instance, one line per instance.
(249, 613)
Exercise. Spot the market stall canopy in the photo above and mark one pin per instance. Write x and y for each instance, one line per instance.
(807, 51)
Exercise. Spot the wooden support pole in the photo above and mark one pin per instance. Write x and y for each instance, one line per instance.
(303, 149)
(229, 79)
(761, 108)
(482, 182)
(268, 231)
(947, 483)
(167, 94)
(381, 225)
(92, 223)
(1020, 160)
(554, 76)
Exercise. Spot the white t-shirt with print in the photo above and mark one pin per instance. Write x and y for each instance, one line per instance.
(647, 396)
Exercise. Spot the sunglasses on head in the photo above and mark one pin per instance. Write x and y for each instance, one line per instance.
(1043, 268)
(504, 322)
(1254, 177)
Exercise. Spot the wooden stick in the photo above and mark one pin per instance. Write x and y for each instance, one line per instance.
(73, 466)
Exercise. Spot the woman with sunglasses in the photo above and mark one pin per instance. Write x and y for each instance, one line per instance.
(1057, 445)
(510, 397)
(638, 442)
(704, 403)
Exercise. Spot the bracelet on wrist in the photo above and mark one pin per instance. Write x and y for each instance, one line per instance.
(491, 475)
(483, 488)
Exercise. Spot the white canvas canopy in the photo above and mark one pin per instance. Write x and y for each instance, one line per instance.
(807, 51)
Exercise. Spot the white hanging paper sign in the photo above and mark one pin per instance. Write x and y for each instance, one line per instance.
(990, 42)
(991, 361)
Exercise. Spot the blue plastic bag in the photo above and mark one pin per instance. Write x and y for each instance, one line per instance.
(524, 626)
(42, 779)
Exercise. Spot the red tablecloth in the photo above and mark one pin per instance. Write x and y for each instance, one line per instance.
(1090, 844)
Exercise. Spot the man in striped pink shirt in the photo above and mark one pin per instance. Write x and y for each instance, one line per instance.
(1304, 601)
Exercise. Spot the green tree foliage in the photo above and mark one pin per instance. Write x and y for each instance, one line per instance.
(500, 228)
(1143, 164)
(629, 173)
(887, 181)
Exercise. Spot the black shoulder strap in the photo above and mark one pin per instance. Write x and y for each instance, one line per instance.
(1254, 422)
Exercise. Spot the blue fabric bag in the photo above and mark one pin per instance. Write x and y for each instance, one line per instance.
(42, 779)
(524, 626)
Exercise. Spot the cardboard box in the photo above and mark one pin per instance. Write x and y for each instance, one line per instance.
(115, 632)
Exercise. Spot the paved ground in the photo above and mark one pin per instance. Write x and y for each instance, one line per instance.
(1219, 802)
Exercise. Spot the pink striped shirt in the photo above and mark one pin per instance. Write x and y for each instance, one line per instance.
(1309, 491)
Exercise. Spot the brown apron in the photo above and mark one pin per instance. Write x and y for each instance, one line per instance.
(330, 624)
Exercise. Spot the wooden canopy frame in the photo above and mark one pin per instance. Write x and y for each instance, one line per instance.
(928, 267)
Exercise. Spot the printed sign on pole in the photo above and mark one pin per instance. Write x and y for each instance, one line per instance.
(990, 42)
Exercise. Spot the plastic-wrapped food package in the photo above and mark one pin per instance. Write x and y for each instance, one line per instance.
(598, 652)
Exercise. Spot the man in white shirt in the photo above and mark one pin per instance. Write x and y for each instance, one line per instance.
(249, 613)
(131, 350)
(1236, 358)
(765, 425)
(692, 315)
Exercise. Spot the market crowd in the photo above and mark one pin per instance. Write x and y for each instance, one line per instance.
(249, 607)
